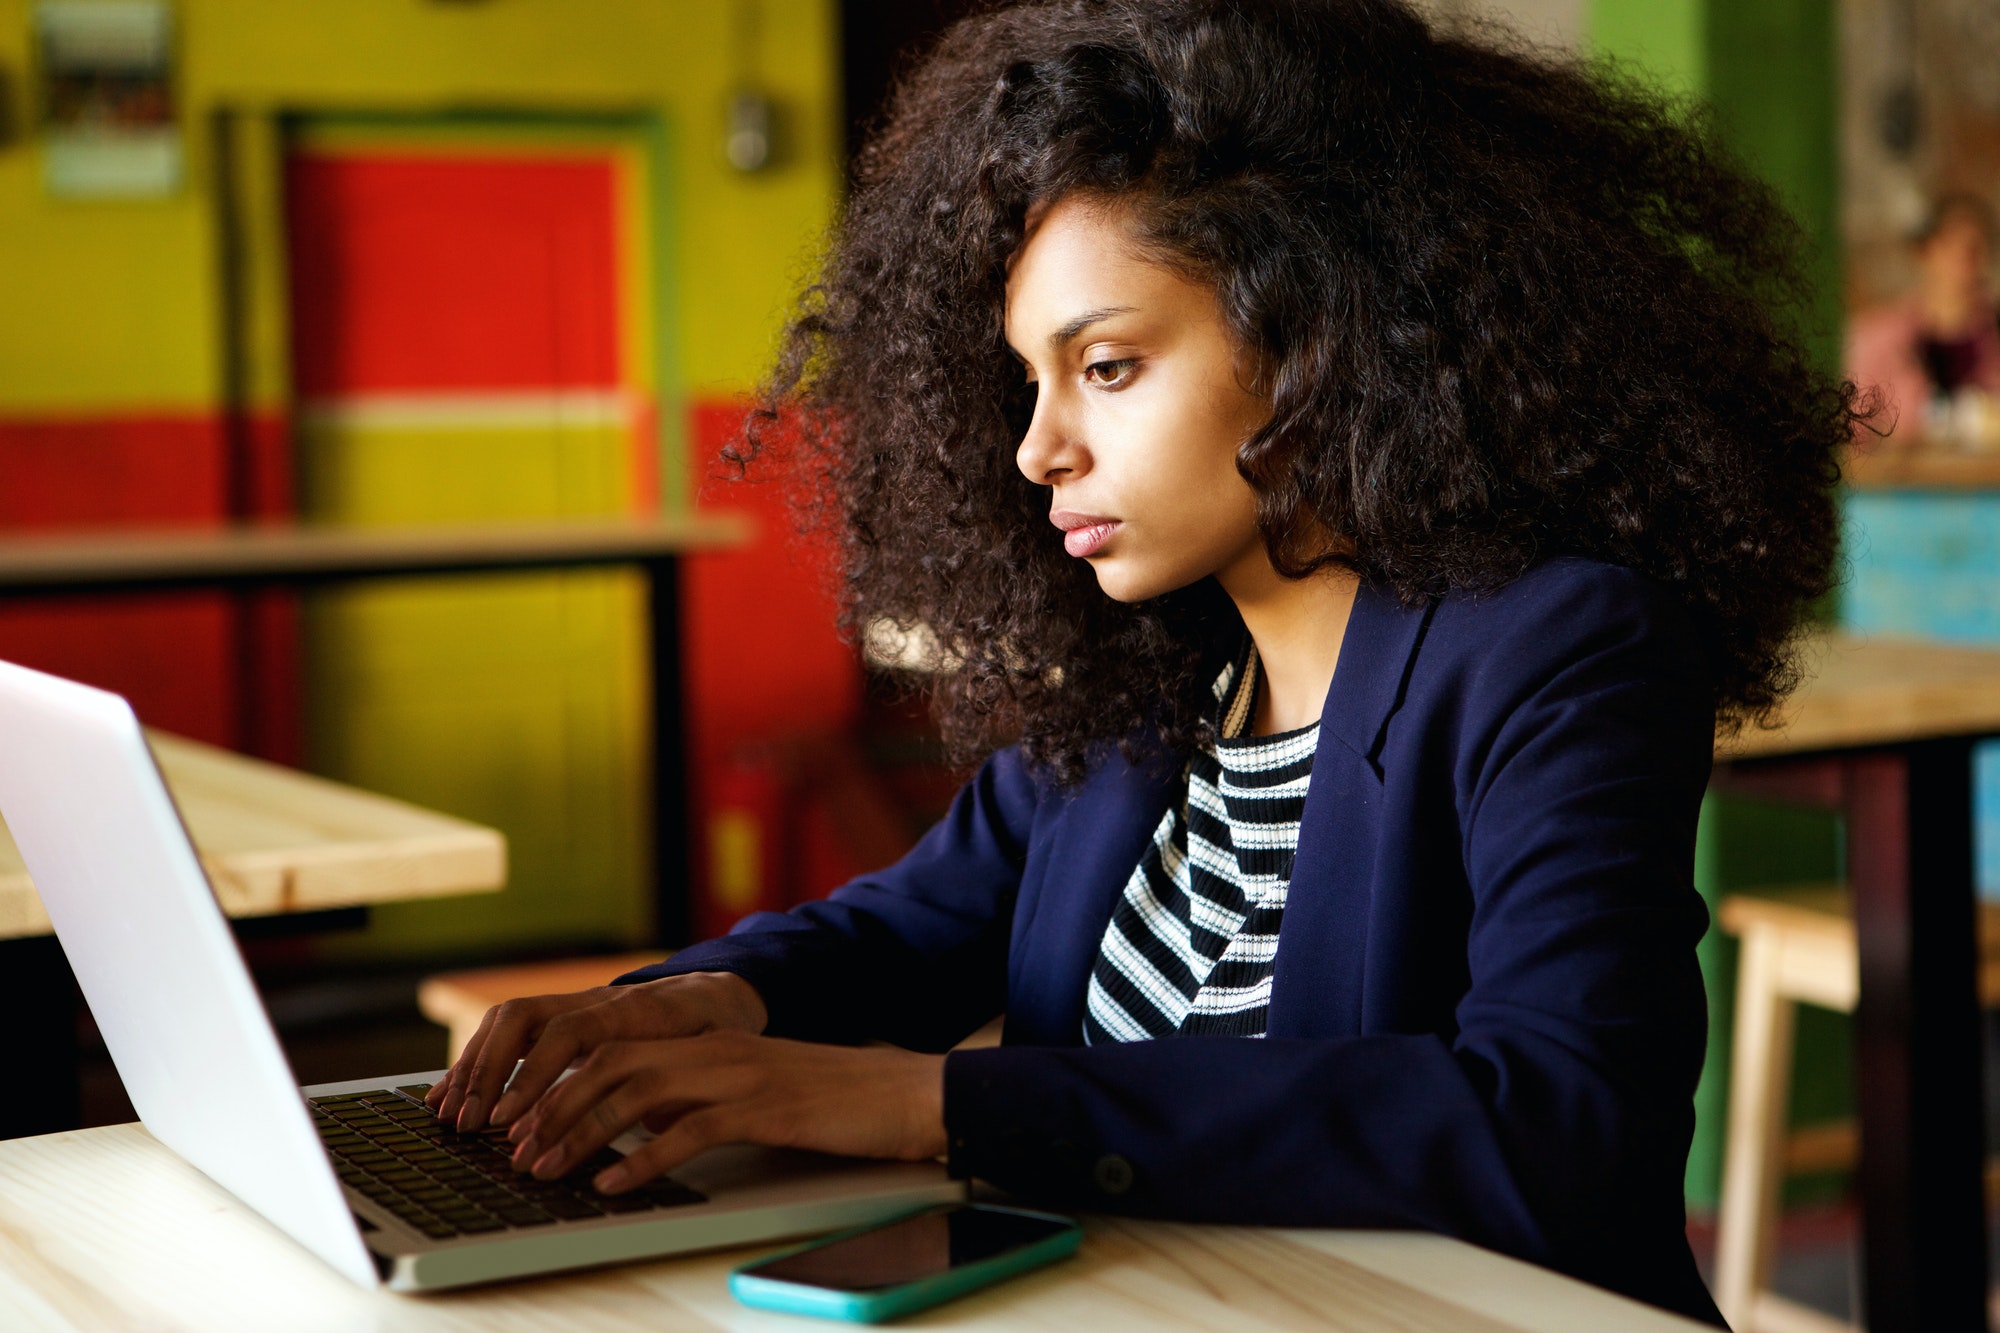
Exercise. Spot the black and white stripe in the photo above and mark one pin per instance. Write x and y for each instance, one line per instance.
(1194, 938)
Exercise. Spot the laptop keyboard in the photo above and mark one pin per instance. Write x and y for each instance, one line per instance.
(389, 1147)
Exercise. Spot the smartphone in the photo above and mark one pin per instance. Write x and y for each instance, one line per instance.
(907, 1264)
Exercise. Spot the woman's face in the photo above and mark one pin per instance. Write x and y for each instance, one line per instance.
(1140, 404)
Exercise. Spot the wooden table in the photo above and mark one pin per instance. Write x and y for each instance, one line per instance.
(275, 840)
(103, 1229)
(283, 555)
(1890, 469)
(1883, 732)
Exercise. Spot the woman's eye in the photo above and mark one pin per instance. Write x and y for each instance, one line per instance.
(1109, 374)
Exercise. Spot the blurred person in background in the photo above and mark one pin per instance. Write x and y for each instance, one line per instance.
(1933, 357)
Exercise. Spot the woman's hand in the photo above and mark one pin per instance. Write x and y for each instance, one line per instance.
(733, 1087)
(548, 1032)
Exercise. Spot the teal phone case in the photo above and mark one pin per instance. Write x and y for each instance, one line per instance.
(875, 1307)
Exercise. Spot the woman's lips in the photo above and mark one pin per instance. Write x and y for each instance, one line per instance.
(1084, 534)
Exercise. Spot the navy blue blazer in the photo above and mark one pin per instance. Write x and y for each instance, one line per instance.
(1486, 1018)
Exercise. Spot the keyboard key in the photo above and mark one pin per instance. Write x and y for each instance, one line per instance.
(571, 1207)
(627, 1203)
(464, 1218)
(524, 1215)
(667, 1191)
(416, 1090)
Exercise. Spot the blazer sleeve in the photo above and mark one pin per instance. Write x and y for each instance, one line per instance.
(934, 925)
(1558, 1110)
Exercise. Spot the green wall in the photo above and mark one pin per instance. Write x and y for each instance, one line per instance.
(1767, 70)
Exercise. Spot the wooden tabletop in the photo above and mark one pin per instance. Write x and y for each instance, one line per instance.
(104, 1229)
(1879, 691)
(1886, 469)
(276, 840)
(81, 561)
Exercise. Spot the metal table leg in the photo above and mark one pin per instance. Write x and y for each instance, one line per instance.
(38, 995)
(672, 846)
(1917, 1037)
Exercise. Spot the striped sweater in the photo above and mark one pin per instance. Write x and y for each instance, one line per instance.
(1194, 939)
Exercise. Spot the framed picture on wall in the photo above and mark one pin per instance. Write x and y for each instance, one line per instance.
(109, 125)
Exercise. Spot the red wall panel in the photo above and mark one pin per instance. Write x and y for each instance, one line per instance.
(764, 670)
(452, 273)
(109, 471)
(173, 655)
(763, 657)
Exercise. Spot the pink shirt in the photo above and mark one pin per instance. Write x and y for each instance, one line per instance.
(1883, 355)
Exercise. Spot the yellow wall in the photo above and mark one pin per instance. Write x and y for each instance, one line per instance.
(108, 306)
(517, 701)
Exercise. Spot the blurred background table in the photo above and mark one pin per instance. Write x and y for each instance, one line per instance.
(104, 1229)
(274, 841)
(1883, 731)
(285, 555)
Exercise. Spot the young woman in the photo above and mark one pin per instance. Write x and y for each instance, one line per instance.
(1357, 466)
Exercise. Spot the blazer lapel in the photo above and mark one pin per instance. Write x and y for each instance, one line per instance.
(1099, 835)
(1316, 987)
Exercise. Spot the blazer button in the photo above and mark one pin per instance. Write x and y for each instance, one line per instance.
(1113, 1174)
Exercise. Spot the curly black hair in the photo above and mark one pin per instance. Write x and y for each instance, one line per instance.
(1511, 305)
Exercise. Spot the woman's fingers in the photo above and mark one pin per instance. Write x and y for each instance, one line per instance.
(445, 1097)
(623, 1084)
(562, 1039)
(514, 1025)
(610, 1094)
(687, 1138)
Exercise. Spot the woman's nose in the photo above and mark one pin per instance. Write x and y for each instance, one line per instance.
(1050, 451)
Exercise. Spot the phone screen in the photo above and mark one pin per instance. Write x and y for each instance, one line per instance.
(914, 1248)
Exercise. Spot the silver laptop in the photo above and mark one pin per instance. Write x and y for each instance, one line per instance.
(358, 1173)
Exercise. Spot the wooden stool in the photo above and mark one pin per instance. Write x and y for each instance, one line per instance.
(458, 1000)
(1798, 948)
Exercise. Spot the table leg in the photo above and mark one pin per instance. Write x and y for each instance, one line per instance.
(38, 995)
(1917, 1040)
(672, 846)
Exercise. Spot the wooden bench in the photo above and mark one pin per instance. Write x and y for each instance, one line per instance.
(457, 1001)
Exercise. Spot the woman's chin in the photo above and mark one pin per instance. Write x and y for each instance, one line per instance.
(1121, 582)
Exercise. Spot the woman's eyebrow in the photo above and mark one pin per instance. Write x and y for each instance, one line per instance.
(1061, 336)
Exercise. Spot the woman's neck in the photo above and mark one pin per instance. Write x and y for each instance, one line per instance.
(1298, 626)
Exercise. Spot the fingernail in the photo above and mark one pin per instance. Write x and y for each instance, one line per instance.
(525, 1153)
(518, 1131)
(610, 1178)
(468, 1113)
(546, 1165)
(503, 1111)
